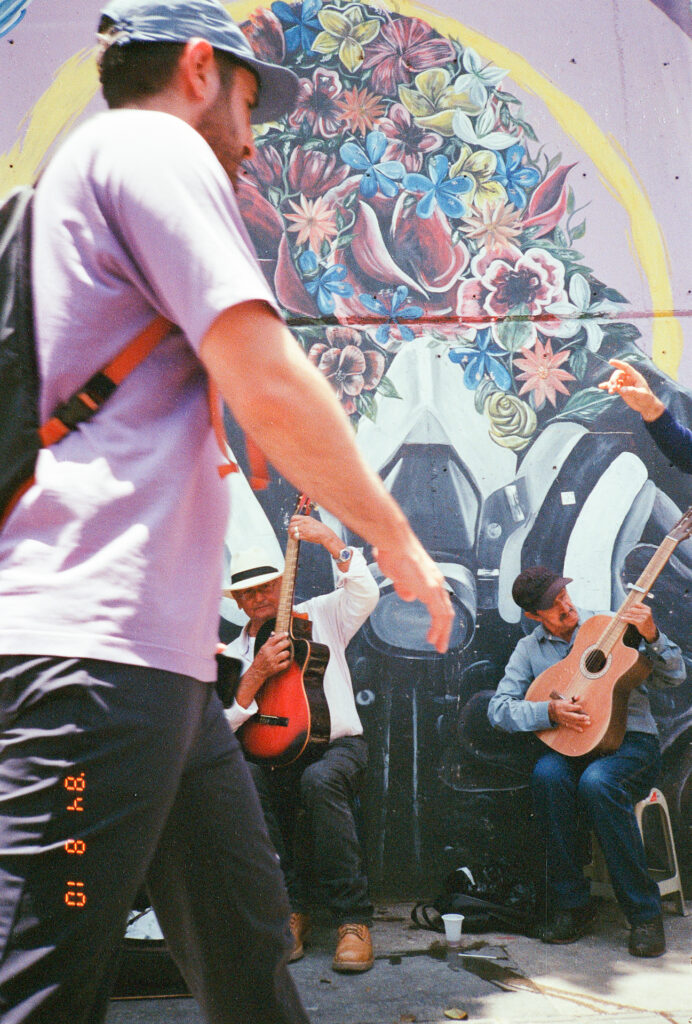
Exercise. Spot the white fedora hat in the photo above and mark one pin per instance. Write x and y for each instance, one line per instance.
(251, 568)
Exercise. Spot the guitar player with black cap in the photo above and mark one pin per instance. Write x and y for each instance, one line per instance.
(596, 791)
(312, 802)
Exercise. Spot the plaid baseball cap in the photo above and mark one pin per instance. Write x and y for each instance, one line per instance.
(176, 21)
(536, 588)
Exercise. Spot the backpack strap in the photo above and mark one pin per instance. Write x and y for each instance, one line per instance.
(86, 402)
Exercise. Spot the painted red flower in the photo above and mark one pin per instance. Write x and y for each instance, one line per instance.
(317, 105)
(264, 167)
(407, 142)
(548, 203)
(312, 172)
(404, 47)
(346, 366)
(265, 35)
(425, 248)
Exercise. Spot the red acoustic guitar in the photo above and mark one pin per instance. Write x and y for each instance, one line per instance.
(603, 667)
(293, 717)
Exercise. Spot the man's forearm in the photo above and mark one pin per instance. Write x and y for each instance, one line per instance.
(287, 407)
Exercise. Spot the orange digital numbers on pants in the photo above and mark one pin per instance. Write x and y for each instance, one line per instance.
(75, 896)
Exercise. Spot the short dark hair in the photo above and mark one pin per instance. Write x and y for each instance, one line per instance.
(135, 70)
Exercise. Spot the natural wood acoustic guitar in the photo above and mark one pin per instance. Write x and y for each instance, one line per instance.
(293, 718)
(603, 667)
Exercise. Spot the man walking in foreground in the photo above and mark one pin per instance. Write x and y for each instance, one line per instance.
(117, 765)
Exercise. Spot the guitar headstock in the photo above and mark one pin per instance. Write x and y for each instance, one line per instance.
(683, 528)
(305, 506)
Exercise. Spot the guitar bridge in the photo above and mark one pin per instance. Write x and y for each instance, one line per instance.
(271, 720)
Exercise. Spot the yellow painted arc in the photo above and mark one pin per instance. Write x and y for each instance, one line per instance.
(76, 82)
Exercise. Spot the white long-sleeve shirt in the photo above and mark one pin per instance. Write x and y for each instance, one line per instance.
(335, 617)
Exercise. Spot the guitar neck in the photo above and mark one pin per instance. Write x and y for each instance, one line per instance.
(639, 591)
(288, 586)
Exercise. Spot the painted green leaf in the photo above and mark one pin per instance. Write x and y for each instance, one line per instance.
(514, 334)
(586, 405)
(387, 389)
(366, 405)
(578, 361)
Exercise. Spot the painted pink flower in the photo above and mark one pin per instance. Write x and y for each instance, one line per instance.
(407, 142)
(316, 104)
(542, 375)
(313, 220)
(533, 281)
(469, 307)
(346, 366)
(404, 47)
(312, 172)
(265, 167)
(548, 203)
(265, 35)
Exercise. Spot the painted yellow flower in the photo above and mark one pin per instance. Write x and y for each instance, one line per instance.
(314, 221)
(479, 166)
(433, 101)
(347, 32)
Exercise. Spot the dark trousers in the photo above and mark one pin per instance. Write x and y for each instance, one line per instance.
(310, 815)
(572, 792)
(112, 776)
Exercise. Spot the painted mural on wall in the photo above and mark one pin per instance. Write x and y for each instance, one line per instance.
(424, 244)
(428, 242)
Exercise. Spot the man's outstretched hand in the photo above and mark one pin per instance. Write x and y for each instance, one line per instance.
(633, 389)
(416, 577)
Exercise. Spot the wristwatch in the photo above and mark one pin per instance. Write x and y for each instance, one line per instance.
(343, 555)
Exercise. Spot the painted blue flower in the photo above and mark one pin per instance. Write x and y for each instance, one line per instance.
(514, 176)
(301, 21)
(376, 175)
(438, 189)
(481, 360)
(392, 306)
(324, 286)
(11, 13)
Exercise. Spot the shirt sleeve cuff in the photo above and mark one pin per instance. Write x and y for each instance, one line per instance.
(542, 717)
(237, 715)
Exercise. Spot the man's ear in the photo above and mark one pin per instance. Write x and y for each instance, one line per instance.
(197, 68)
(532, 615)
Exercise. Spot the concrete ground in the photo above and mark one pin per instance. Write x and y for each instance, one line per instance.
(417, 979)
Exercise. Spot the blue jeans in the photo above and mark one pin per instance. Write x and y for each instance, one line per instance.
(571, 793)
(112, 776)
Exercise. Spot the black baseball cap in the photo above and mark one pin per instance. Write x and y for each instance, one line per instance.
(536, 588)
(176, 21)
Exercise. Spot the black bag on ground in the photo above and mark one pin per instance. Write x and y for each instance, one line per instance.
(494, 897)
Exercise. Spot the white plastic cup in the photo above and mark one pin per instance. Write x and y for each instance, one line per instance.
(453, 923)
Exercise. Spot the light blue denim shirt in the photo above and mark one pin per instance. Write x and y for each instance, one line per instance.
(539, 650)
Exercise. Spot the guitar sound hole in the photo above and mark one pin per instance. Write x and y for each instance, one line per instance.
(595, 660)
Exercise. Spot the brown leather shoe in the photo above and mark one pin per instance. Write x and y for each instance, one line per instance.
(353, 948)
(300, 929)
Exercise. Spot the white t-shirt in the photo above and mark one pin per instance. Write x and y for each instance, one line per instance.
(116, 552)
